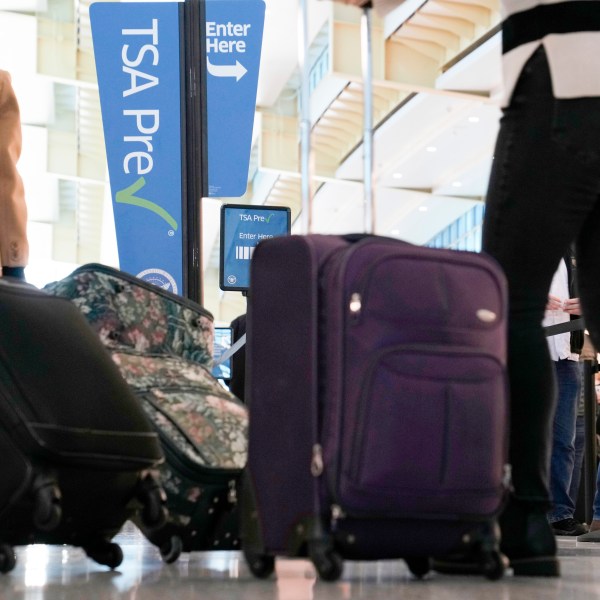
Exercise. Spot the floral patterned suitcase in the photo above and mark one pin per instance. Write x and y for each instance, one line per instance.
(163, 345)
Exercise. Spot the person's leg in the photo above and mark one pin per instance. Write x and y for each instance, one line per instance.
(535, 207)
(574, 490)
(563, 450)
(527, 230)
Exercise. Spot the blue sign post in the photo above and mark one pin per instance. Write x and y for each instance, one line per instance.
(137, 50)
(234, 32)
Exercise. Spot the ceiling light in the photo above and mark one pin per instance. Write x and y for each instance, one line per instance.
(473, 119)
(431, 149)
(397, 175)
(456, 184)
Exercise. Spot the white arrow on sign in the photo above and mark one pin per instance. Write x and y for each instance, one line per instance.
(238, 70)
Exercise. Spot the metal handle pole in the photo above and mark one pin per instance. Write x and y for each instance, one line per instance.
(368, 153)
(305, 121)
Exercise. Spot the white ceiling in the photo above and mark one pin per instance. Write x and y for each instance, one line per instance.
(24, 5)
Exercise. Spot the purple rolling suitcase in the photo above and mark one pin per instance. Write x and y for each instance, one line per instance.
(377, 392)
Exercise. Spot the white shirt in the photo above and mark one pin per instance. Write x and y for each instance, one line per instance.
(559, 345)
(574, 58)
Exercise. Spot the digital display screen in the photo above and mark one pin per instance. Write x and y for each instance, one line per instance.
(243, 227)
(222, 343)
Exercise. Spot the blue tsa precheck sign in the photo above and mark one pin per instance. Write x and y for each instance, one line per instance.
(243, 227)
(234, 32)
(137, 51)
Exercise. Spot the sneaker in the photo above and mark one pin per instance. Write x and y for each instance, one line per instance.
(569, 527)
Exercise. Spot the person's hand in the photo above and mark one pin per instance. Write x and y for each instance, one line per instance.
(572, 306)
(554, 303)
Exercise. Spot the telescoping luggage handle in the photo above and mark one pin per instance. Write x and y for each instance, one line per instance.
(306, 174)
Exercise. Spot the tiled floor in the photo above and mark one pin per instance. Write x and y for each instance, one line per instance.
(65, 573)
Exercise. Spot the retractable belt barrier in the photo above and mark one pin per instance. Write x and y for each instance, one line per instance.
(573, 325)
(231, 351)
(567, 326)
(590, 367)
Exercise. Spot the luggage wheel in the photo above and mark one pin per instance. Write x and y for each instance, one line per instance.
(492, 561)
(8, 560)
(327, 562)
(105, 553)
(492, 565)
(171, 550)
(154, 501)
(47, 512)
(260, 565)
(418, 566)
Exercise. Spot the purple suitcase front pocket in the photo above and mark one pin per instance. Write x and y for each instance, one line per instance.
(426, 435)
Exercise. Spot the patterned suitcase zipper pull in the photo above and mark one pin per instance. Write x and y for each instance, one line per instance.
(232, 493)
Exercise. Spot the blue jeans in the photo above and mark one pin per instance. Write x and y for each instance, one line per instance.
(562, 461)
(544, 193)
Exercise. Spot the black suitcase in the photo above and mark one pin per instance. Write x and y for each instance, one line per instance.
(79, 456)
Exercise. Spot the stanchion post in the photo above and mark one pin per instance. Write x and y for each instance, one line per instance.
(590, 464)
(196, 178)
